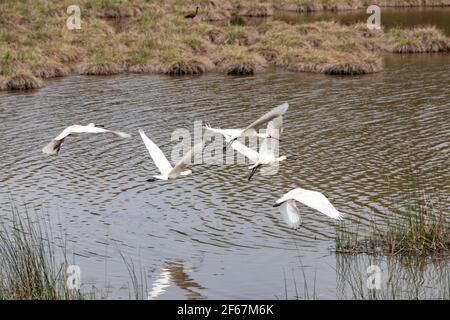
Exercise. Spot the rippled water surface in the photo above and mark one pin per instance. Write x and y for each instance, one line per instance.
(214, 234)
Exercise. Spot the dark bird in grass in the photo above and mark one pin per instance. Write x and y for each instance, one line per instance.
(192, 15)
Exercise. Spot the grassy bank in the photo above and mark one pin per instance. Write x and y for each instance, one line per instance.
(416, 40)
(340, 5)
(417, 227)
(154, 37)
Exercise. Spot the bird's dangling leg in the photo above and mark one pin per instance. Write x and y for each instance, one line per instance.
(252, 173)
(272, 137)
(278, 139)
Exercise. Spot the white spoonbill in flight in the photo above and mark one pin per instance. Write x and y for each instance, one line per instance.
(251, 129)
(314, 199)
(163, 165)
(55, 145)
(269, 147)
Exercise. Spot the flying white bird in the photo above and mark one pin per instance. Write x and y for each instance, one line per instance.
(163, 165)
(313, 199)
(269, 147)
(251, 129)
(268, 150)
(236, 132)
(55, 145)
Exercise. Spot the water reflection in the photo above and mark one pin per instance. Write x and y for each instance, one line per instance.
(400, 278)
(390, 17)
(175, 273)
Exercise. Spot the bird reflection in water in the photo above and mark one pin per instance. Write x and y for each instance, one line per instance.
(175, 273)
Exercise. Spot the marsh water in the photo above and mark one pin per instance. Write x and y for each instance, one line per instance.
(364, 141)
(390, 17)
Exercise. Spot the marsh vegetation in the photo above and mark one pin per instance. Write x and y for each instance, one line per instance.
(418, 225)
(399, 278)
(31, 265)
(152, 37)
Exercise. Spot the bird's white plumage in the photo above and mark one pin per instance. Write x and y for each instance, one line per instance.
(52, 147)
(313, 199)
(163, 165)
(228, 132)
(185, 161)
(91, 128)
(290, 214)
(235, 132)
(270, 145)
(272, 114)
(251, 154)
(157, 155)
(250, 130)
(55, 144)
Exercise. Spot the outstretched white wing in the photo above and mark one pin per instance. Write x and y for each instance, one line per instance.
(91, 129)
(290, 214)
(272, 114)
(231, 132)
(186, 160)
(313, 199)
(54, 146)
(224, 132)
(318, 201)
(64, 133)
(251, 154)
(270, 146)
(157, 155)
(275, 127)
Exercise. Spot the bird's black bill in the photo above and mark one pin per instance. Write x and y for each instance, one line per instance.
(277, 204)
(151, 180)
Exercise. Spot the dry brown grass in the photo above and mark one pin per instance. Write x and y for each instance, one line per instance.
(50, 70)
(256, 10)
(238, 60)
(153, 37)
(23, 81)
(188, 67)
(416, 40)
(103, 69)
(324, 47)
